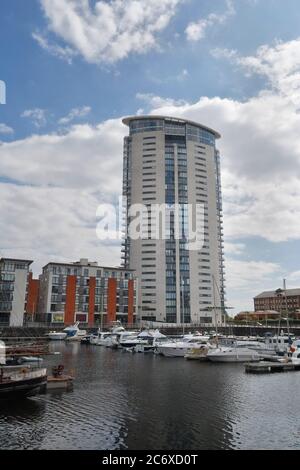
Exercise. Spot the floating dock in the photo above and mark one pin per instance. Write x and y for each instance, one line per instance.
(63, 382)
(270, 367)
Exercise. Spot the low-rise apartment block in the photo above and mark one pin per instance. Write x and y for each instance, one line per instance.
(14, 279)
(86, 292)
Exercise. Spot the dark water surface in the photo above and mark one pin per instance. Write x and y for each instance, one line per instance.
(134, 401)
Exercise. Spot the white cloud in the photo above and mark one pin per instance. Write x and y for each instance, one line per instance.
(4, 129)
(232, 248)
(107, 31)
(64, 53)
(293, 280)
(37, 115)
(52, 224)
(154, 101)
(51, 213)
(84, 157)
(75, 113)
(220, 53)
(196, 30)
(250, 273)
(280, 64)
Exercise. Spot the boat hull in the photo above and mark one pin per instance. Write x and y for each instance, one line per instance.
(172, 352)
(23, 388)
(75, 338)
(57, 336)
(233, 358)
(144, 348)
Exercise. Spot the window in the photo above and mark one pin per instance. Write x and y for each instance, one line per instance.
(146, 125)
(8, 277)
(9, 267)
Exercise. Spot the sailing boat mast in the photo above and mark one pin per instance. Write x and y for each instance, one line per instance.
(215, 310)
(286, 307)
(182, 302)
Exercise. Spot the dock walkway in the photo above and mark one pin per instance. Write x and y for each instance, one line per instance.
(270, 367)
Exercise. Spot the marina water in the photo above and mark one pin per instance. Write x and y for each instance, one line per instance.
(134, 401)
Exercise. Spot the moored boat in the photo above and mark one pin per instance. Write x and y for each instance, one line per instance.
(131, 341)
(182, 347)
(86, 339)
(198, 354)
(151, 339)
(296, 357)
(21, 382)
(74, 333)
(57, 335)
(233, 354)
(99, 338)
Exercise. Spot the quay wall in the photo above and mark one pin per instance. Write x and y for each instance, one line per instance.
(30, 332)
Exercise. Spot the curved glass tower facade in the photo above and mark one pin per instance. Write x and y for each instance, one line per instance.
(172, 169)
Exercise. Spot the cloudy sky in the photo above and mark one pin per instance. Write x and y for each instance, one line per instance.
(74, 68)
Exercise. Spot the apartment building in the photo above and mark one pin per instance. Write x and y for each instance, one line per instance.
(86, 292)
(170, 161)
(14, 282)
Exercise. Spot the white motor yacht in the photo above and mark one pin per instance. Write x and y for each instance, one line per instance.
(151, 341)
(296, 357)
(182, 347)
(99, 338)
(237, 353)
(279, 344)
(266, 347)
(131, 341)
(122, 336)
(57, 335)
(74, 333)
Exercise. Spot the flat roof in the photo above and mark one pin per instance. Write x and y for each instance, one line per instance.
(29, 261)
(87, 266)
(128, 119)
(272, 293)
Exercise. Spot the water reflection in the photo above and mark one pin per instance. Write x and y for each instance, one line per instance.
(122, 400)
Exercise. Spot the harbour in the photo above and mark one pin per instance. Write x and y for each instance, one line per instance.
(135, 401)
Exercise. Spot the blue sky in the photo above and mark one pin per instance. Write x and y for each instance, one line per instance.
(192, 58)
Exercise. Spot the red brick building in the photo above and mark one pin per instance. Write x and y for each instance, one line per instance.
(260, 315)
(280, 301)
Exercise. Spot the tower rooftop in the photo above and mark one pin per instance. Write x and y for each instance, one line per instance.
(129, 119)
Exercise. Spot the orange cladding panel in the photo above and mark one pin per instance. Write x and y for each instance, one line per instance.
(70, 300)
(32, 295)
(112, 300)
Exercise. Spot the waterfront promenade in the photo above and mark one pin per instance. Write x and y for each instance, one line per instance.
(40, 330)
